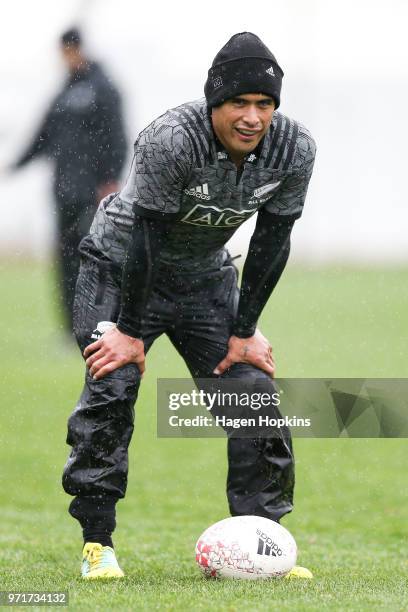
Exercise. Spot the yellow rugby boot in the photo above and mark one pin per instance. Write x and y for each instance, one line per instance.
(99, 562)
(299, 572)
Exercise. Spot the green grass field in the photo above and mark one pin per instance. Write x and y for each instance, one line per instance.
(350, 519)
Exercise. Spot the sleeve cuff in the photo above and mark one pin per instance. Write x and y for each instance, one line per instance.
(130, 329)
(243, 332)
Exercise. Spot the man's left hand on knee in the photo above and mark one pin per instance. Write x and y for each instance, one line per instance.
(255, 350)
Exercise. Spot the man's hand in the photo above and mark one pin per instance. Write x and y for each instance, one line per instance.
(113, 351)
(255, 350)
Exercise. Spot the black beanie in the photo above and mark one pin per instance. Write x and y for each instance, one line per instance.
(244, 65)
(71, 38)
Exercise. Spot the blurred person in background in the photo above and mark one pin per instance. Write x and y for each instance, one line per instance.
(83, 135)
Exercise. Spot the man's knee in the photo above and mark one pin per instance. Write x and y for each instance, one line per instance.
(248, 371)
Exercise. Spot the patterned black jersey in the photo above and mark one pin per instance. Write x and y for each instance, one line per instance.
(180, 171)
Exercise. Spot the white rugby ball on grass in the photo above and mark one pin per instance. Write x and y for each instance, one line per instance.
(246, 547)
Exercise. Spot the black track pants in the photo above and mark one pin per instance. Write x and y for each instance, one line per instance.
(196, 313)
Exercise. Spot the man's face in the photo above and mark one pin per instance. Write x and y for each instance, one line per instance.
(240, 123)
(72, 57)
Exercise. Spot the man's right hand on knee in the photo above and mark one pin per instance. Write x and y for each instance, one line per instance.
(113, 351)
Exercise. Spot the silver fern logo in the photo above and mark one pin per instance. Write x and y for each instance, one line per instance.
(261, 191)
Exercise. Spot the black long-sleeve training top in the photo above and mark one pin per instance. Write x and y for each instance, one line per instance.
(183, 179)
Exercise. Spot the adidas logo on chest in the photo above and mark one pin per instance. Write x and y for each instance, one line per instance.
(200, 192)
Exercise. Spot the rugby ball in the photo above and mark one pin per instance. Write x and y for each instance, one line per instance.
(246, 547)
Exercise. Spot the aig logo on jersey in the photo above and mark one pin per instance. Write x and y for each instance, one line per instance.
(211, 216)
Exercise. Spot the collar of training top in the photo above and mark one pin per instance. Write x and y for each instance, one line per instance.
(83, 73)
(252, 157)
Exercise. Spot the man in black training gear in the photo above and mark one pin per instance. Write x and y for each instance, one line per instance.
(83, 134)
(155, 262)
